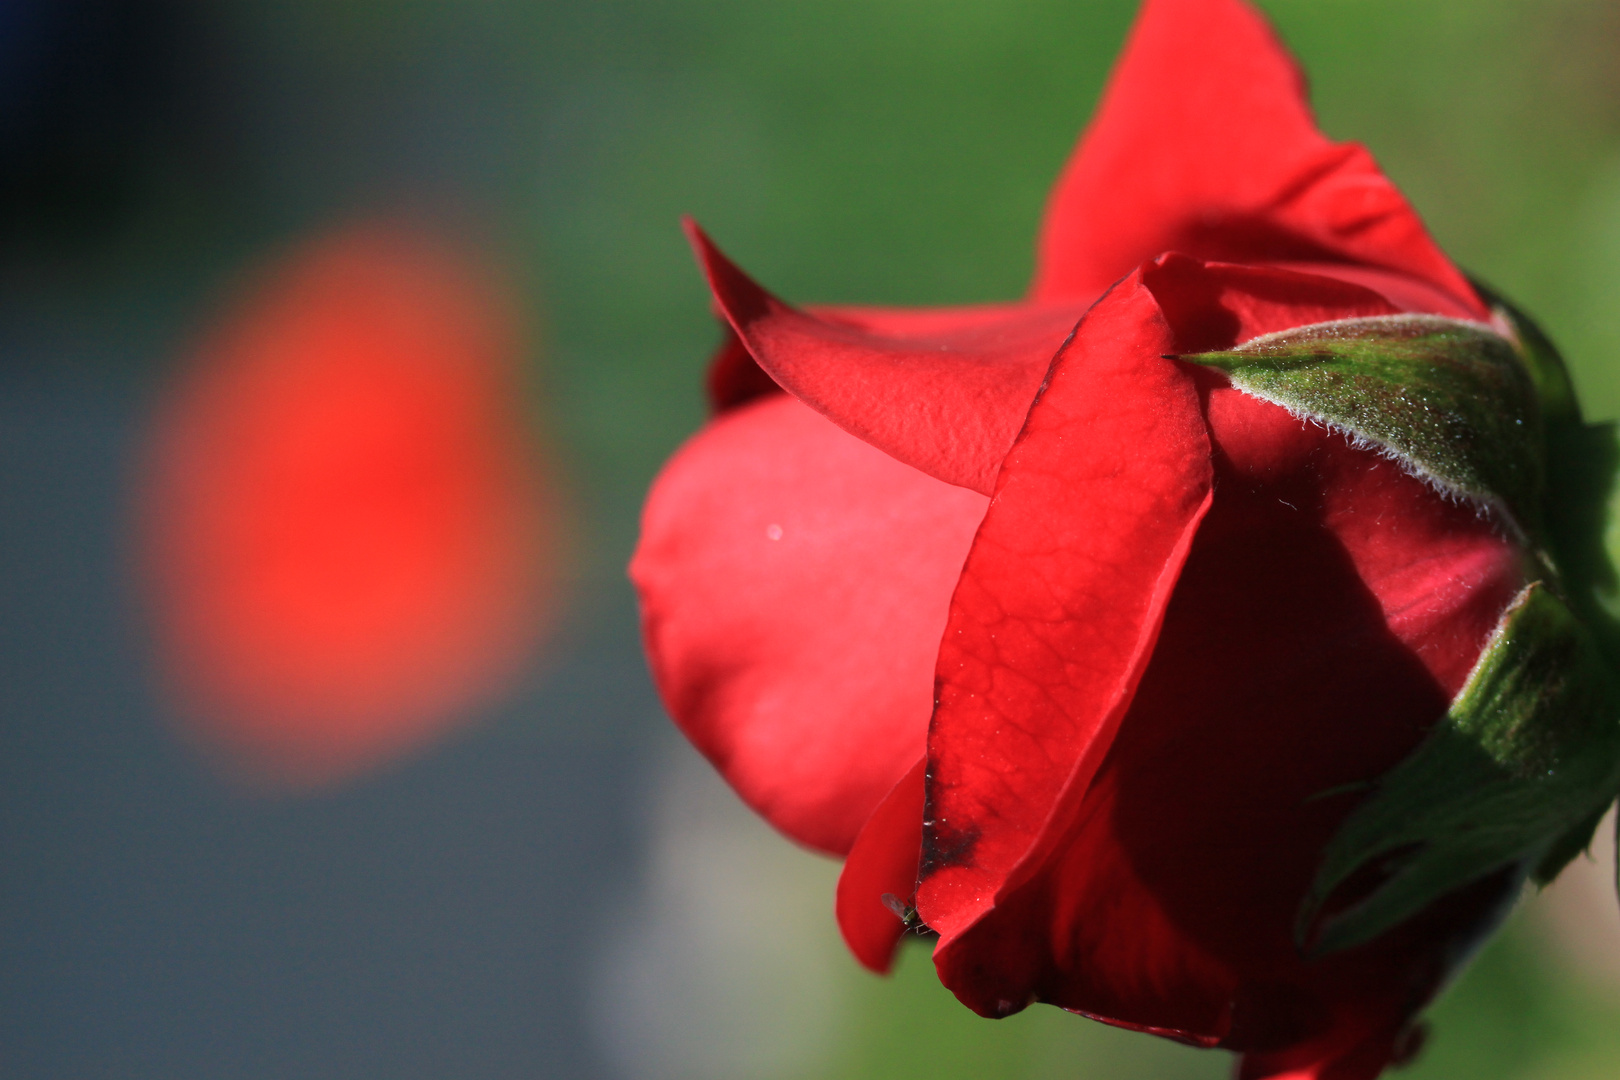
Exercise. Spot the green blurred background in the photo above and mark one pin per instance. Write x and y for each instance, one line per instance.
(881, 151)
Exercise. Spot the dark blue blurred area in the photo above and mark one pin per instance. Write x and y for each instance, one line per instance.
(91, 92)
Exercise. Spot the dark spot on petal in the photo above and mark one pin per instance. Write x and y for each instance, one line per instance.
(943, 845)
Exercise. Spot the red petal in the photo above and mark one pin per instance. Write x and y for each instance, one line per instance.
(944, 391)
(1218, 305)
(1405, 293)
(1060, 600)
(1165, 896)
(734, 378)
(882, 866)
(794, 583)
(1205, 143)
(1355, 1054)
(1330, 607)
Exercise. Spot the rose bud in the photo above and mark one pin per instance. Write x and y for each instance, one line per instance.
(1211, 643)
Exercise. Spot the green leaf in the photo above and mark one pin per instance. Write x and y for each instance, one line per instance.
(1452, 401)
(1526, 759)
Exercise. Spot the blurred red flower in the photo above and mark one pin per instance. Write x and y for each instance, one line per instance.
(348, 534)
(1082, 654)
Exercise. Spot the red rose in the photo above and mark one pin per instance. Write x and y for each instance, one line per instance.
(1118, 635)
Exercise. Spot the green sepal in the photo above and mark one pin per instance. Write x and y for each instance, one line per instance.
(1566, 847)
(1554, 388)
(1452, 401)
(1582, 497)
(1527, 757)
(1583, 521)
